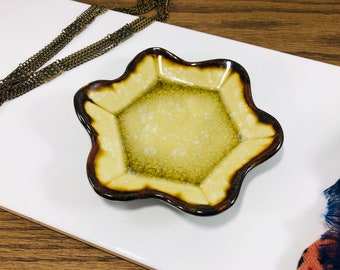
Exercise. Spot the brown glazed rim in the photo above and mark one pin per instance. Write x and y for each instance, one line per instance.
(236, 182)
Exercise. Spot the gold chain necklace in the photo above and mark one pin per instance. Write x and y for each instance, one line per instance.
(30, 75)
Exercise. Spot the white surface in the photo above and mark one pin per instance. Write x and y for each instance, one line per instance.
(44, 150)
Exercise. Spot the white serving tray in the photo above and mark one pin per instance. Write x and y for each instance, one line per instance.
(44, 150)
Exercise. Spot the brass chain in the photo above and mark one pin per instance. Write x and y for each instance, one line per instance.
(30, 75)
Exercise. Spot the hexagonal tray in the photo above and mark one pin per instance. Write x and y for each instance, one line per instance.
(184, 132)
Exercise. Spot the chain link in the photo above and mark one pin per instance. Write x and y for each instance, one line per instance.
(27, 75)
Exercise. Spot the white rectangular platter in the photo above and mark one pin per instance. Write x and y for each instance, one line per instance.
(44, 149)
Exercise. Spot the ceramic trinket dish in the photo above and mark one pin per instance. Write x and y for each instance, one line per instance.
(183, 132)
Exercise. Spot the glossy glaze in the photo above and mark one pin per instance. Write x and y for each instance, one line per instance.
(184, 132)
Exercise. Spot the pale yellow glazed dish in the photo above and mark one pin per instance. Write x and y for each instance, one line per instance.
(186, 133)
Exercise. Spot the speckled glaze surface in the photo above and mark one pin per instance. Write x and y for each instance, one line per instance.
(213, 96)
